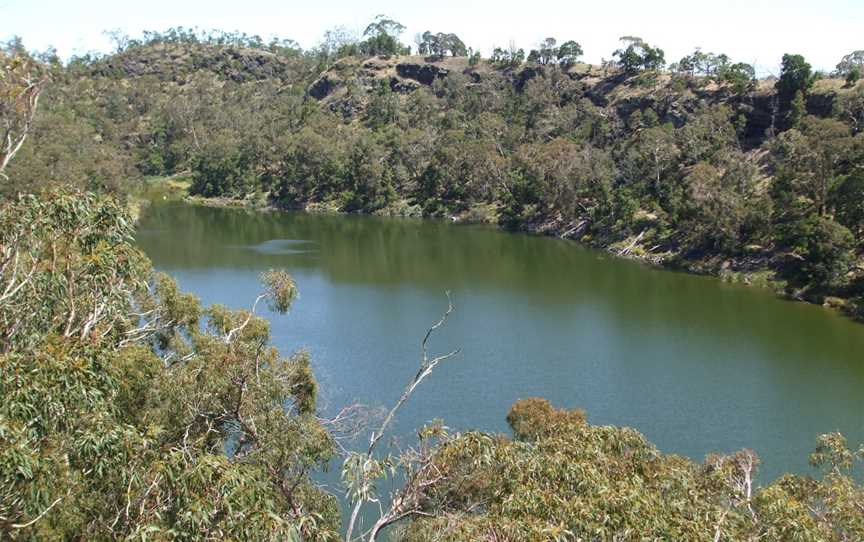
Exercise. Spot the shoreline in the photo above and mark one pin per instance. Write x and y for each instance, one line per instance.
(752, 270)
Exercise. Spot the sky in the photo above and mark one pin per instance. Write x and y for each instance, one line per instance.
(758, 32)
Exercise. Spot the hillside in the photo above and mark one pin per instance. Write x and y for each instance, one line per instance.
(758, 181)
(178, 61)
(621, 95)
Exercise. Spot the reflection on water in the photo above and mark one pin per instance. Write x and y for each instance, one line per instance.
(696, 365)
(282, 247)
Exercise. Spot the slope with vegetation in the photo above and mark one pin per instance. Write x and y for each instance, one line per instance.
(696, 165)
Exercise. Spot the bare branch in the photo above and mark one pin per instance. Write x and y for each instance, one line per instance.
(37, 518)
(397, 509)
(241, 327)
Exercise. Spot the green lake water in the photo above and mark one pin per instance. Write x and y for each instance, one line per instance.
(696, 365)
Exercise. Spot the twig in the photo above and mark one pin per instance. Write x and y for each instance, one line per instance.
(426, 367)
(37, 518)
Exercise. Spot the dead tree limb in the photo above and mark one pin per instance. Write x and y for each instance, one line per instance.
(427, 365)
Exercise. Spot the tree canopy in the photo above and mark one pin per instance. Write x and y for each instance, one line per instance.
(637, 55)
(440, 45)
(549, 52)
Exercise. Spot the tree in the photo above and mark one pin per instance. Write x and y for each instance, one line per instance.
(847, 198)
(796, 77)
(701, 63)
(439, 45)
(651, 159)
(637, 55)
(849, 63)
(382, 37)
(361, 471)
(810, 160)
(715, 211)
(568, 180)
(508, 58)
(384, 25)
(819, 251)
(740, 75)
(560, 478)
(797, 110)
(338, 42)
(547, 51)
(22, 81)
(462, 171)
(850, 108)
(129, 411)
(853, 76)
(718, 68)
(569, 53)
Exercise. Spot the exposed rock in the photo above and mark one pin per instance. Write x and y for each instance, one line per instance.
(425, 74)
(177, 62)
(759, 109)
(403, 86)
(821, 104)
(322, 87)
(527, 74)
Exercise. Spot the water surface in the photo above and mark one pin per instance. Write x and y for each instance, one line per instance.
(696, 365)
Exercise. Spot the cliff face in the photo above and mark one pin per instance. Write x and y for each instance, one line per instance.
(176, 62)
(671, 100)
(346, 87)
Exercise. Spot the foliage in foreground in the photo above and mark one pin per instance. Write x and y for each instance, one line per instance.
(560, 478)
(129, 411)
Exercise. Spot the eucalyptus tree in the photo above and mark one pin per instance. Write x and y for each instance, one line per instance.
(22, 81)
(850, 63)
(637, 55)
(439, 45)
(569, 53)
(796, 79)
(129, 410)
(560, 478)
(382, 37)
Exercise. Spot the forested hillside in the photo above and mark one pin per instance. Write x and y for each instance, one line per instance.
(696, 164)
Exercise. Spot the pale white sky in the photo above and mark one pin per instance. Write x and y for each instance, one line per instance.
(753, 31)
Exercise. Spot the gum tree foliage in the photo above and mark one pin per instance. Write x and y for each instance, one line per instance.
(849, 108)
(850, 63)
(338, 42)
(549, 52)
(22, 80)
(382, 38)
(546, 52)
(560, 478)
(717, 68)
(569, 53)
(853, 76)
(816, 166)
(129, 410)
(810, 161)
(507, 58)
(796, 79)
(819, 251)
(637, 55)
(848, 202)
(439, 45)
